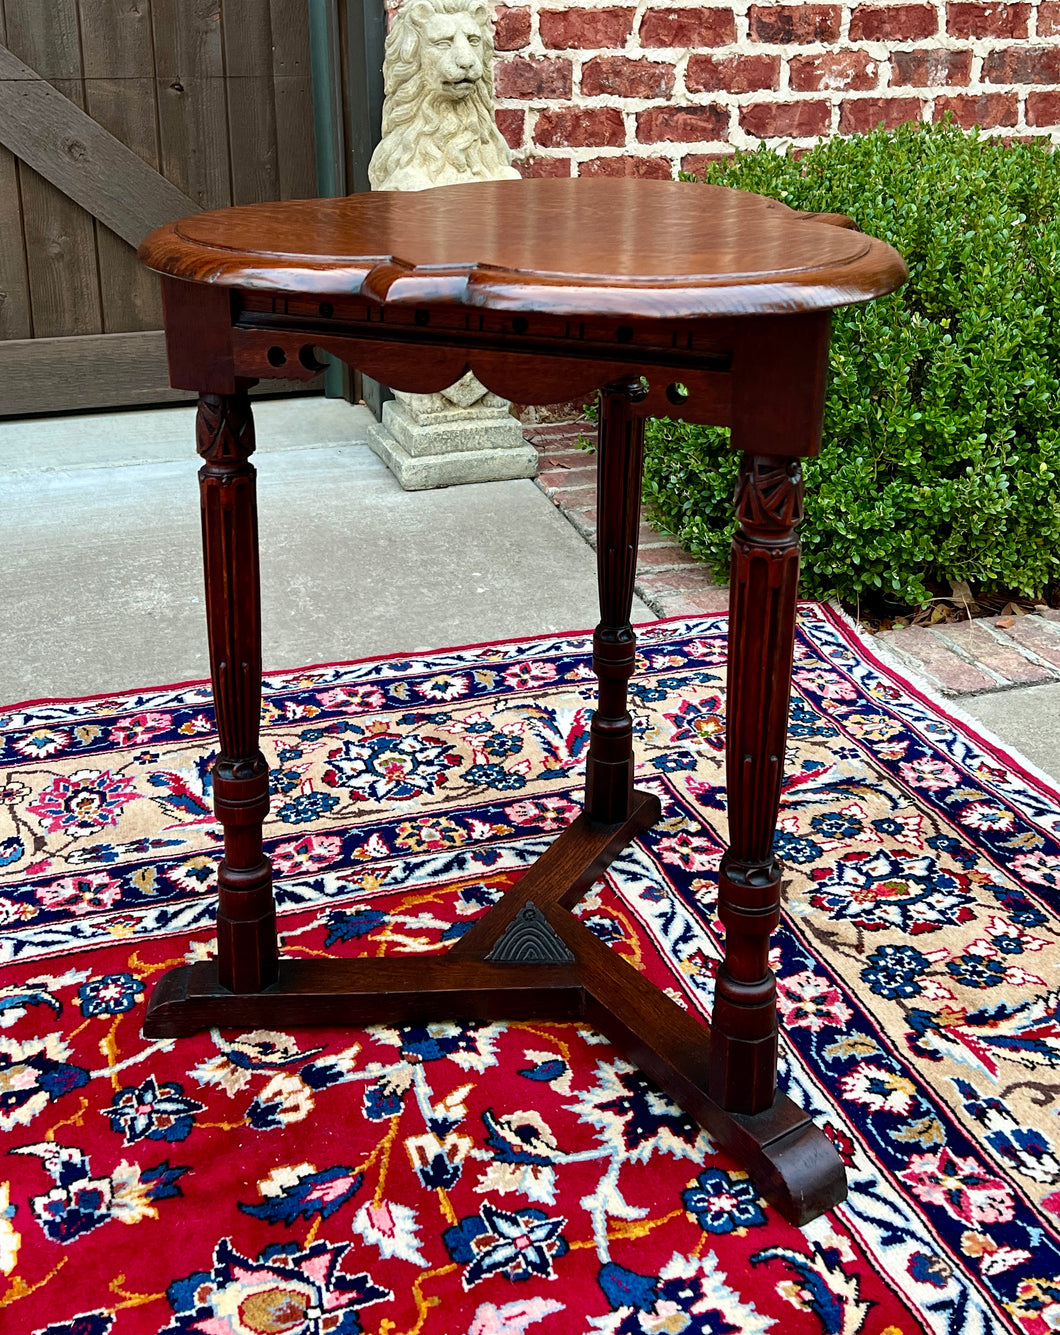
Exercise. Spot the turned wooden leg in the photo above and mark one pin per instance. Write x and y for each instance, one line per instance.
(246, 914)
(763, 589)
(620, 464)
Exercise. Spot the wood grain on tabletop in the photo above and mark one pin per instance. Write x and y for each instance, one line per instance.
(643, 248)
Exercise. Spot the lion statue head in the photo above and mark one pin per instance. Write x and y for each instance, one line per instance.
(438, 124)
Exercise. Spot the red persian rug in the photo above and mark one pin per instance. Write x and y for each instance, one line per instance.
(474, 1180)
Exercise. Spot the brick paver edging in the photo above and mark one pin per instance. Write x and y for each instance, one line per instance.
(671, 582)
(963, 658)
(985, 655)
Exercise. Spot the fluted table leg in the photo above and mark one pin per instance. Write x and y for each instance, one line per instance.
(246, 916)
(763, 590)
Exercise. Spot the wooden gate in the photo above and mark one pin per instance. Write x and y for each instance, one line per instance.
(117, 116)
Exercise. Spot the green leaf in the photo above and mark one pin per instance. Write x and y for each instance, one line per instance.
(941, 438)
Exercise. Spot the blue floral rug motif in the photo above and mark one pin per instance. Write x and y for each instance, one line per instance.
(472, 1180)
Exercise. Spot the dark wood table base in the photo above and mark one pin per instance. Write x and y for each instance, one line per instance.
(720, 313)
(552, 968)
(528, 957)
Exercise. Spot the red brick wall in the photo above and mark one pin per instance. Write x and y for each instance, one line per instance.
(644, 87)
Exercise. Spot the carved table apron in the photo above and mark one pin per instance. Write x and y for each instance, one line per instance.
(668, 298)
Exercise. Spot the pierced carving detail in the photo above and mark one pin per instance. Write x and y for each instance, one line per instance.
(530, 939)
(224, 430)
(769, 496)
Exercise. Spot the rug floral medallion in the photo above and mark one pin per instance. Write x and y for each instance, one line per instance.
(479, 1179)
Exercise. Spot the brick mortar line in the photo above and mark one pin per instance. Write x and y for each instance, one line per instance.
(955, 647)
(1005, 642)
(578, 520)
(653, 599)
(691, 99)
(1000, 682)
(1002, 688)
(917, 665)
(903, 659)
(649, 600)
(575, 59)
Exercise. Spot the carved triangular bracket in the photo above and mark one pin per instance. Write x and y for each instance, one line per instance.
(530, 939)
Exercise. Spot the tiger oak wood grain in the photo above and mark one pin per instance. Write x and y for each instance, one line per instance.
(654, 249)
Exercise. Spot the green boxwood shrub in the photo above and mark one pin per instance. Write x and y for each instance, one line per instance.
(941, 448)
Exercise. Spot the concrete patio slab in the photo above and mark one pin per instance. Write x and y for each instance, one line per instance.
(157, 435)
(102, 584)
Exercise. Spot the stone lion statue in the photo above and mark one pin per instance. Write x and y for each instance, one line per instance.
(439, 129)
(438, 115)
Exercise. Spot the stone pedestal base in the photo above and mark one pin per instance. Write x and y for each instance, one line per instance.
(447, 448)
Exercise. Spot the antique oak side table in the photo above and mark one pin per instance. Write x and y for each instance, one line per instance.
(709, 304)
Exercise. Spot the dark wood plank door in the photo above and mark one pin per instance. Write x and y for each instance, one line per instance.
(117, 116)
